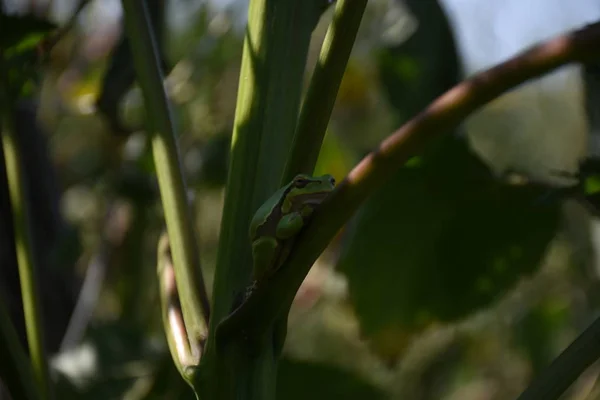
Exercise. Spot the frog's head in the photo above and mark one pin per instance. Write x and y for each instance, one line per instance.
(307, 191)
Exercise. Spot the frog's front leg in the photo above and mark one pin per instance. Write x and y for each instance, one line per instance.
(264, 255)
(289, 225)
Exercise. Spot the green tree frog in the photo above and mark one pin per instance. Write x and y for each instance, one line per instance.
(277, 222)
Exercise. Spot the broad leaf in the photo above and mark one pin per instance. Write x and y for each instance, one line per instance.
(443, 237)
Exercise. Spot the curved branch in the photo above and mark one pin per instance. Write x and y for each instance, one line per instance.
(185, 351)
(271, 300)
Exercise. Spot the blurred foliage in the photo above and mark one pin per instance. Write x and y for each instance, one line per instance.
(334, 159)
(443, 241)
(22, 46)
(534, 333)
(24, 49)
(299, 380)
(423, 66)
(118, 361)
(22, 32)
(120, 74)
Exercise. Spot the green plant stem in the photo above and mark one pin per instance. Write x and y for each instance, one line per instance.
(190, 283)
(273, 63)
(567, 367)
(319, 101)
(324, 86)
(443, 115)
(23, 238)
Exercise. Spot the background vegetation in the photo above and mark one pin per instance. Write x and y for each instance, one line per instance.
(462, 277)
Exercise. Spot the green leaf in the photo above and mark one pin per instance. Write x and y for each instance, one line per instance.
(440, 241)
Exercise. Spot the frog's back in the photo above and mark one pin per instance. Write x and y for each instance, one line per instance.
(264, 211)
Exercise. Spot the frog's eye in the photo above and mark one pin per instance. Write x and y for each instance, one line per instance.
(300, 182)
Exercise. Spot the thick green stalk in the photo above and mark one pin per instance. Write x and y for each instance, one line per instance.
(325, 82)
(273, 63)
(190, 284)
(274, 58)
(23, 239)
